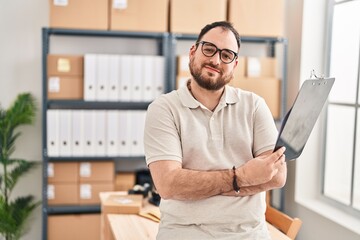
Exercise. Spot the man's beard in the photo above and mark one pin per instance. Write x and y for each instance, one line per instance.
(208, 84)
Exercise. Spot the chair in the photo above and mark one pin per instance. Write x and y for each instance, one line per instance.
(286, 224)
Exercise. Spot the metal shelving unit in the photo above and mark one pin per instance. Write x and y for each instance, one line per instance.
(47, 33)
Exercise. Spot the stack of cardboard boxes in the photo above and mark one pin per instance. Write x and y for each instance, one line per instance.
(73, 183)
(65, 77)
(259, 75)
(250, 17)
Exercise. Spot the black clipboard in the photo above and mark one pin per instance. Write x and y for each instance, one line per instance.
(301, 118)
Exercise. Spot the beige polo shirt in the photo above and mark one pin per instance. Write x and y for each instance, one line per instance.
(180, 128)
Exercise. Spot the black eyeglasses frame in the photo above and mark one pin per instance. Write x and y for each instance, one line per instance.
(217, 50)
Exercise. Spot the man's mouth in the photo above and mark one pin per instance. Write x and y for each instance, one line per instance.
(212, 69)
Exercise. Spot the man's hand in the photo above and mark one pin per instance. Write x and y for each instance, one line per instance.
(261, 169)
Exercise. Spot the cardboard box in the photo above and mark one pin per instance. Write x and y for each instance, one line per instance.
(240, 68)
(65, 77)
(63, 172)
(183, 65)
(124, 181)
(268, 88)
(261, 67)
(89, 192)
(65, 65)
(182, 81)
(74, 227)
(105, 228)
(260, 18)
(127, 204)
(188, 16)
(96, 172)
(139, 15)
(79, 14)
(63, 87)
(62, 193)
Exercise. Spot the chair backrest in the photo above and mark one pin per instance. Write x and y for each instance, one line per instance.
(286, 224)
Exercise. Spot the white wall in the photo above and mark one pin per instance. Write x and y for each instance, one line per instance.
(20, 70)
(306, 31)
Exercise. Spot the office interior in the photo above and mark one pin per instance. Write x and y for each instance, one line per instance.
(306, 30)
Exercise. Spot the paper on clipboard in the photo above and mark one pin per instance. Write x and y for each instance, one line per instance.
(301, 118)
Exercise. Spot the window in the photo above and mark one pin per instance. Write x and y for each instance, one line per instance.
(341, 180)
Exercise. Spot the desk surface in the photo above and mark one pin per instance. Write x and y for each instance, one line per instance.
(124, 226)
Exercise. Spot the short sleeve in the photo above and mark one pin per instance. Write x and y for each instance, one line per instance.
(161, 136)
(265, 132)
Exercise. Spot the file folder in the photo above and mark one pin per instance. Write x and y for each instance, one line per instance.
(52, 129)
(102, 77)
(65, 132)
(78, 133)
(112, 130)
(89, 77)
(148, 78)
(114, 78)
(100, 133)
(159, 76)
(136, 86)
(125, 123)
(125, 77)
(89, 133)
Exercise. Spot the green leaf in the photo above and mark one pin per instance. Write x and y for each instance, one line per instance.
(21, 167)
(22, 111)
(13, 216)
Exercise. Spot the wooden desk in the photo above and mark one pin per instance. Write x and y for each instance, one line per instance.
(134, 227)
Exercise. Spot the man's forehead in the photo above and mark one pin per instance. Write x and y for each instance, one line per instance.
(221, 37)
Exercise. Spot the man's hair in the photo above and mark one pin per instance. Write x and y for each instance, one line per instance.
(224, 25)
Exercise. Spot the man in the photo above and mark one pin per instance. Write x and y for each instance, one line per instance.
(209, 148)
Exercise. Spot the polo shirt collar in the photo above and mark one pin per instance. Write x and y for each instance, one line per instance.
(229, 97)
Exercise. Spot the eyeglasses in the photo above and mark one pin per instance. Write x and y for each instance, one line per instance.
(209, 50)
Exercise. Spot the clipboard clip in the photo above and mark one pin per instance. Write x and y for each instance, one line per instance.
(314, 76)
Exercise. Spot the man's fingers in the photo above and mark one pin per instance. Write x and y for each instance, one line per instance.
(279, 152)
(281, 160)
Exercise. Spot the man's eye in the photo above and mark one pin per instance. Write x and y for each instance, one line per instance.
(227, 55)
(208, 50)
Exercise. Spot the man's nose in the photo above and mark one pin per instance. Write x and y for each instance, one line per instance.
(216, 58)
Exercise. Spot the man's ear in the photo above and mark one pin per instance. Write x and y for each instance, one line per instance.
(192, 51)
(236, 63)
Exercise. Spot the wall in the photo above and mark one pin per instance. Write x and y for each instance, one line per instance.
(306, 30)
(20, 70)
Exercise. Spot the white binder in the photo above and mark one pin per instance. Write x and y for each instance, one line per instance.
(89, 132)
(136, 86)
(124, 132)
(159, 76)
(137, 133)
(102, 77)
(89, 77)
(112, 130)
(100, 133)
(78, 133)
(114, 76)
(148, 78)
(52, 129)
(65, 132)
(125, 77)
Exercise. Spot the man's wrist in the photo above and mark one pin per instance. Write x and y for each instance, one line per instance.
(235, 181)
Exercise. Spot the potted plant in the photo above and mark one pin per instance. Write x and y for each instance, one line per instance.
(14, 212)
